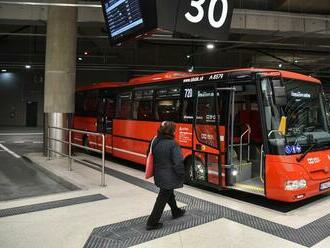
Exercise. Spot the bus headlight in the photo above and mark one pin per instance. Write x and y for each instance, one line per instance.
(295, 184)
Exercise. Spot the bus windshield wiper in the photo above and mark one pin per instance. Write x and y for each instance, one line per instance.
(302, 156)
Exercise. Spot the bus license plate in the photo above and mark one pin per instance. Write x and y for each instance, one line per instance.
(325, 185)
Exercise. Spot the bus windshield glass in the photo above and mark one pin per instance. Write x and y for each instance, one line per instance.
(306, 113)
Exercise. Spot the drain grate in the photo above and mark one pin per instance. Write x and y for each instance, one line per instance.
(132, 232)
(50, 205)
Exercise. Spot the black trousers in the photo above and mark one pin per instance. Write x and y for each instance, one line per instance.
(164, 196)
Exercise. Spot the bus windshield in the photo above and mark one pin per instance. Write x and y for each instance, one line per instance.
(306, 112)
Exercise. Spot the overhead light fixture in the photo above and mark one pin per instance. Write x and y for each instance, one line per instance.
(27, 66)
(80, 59)
(3, 70)
(191, 69)
(188, 56)
(280, 65)
(85, 53)
(296, 61)
(210, 46)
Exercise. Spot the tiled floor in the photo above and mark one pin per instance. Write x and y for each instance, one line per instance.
(71, 226)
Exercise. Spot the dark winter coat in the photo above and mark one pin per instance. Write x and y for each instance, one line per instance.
(168, 163)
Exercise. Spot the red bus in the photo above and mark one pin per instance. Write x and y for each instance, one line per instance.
(261, 131)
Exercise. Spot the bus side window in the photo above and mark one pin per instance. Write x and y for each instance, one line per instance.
(124, 109)
(79, 106)
(206, 130)
(188, 110)
(90, 105)
(206, 107)
(110, 108)
(143, 105)
(168, 104)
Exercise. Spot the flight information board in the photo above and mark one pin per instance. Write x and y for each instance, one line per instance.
(123, 18)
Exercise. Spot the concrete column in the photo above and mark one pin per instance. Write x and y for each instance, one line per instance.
(60, 71)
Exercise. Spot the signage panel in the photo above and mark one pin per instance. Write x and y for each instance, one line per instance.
(205, 18)
(127, 18)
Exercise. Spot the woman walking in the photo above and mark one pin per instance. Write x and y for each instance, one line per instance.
(168, 173)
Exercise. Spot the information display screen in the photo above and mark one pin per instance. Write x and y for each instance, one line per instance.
(123, 18)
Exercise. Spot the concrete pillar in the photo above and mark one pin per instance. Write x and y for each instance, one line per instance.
(60, 71)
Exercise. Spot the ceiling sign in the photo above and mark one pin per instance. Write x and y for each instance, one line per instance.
(196, 18)
(205, 18)
(128, 18)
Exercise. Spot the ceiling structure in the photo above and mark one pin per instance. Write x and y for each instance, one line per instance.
(287, 34)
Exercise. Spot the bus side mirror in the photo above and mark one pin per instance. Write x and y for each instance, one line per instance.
(280, 96)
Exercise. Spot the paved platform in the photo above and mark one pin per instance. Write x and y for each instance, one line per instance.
(20, 178)
(115, 215)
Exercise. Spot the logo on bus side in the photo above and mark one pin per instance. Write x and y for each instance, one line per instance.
(315, 160)
(194, 79)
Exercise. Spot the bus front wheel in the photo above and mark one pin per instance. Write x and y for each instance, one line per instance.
(199, 170)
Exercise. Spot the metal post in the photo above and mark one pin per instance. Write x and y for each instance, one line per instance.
(48, 143)
(70, 152)
(103, 162)
(261, 163)
(249, 142)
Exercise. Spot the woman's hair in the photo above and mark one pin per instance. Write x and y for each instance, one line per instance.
(167, 128)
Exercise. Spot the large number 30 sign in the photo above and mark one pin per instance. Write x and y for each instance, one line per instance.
(198, 4)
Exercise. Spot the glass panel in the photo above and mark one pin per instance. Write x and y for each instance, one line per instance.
(167, 110)
(91, 103)
(144, 110)
(305, 112)
(124, 106)
(206, 130)
(206, 107)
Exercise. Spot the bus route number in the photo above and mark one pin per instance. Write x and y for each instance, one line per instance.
(198, 5)
(188, 93)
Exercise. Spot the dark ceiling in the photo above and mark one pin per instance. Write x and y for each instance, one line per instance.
(308, 53)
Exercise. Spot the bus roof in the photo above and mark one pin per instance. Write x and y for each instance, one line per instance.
(177, 75)
(171, 75)
(160, 77)
(285, 74)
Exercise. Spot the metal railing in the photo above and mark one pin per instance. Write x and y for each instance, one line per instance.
(71, 144)
(248, 133)
(262, 163)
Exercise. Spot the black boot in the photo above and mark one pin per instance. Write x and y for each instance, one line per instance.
(154, 227)
(179, 213)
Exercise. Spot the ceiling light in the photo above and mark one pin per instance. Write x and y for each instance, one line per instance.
(188, 56)
(86, 53)
(80, 59)
(27, 66)
(3, 70)
(210, 46)
(191, 69)
(280, 65)
(296, 61)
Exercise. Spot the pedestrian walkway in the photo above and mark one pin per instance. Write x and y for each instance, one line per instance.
(115, 216)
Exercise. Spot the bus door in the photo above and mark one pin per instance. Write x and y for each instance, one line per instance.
(209, 136)
(245, 141)
(105, 121)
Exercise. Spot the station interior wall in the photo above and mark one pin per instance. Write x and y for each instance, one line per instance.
(17, 88)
